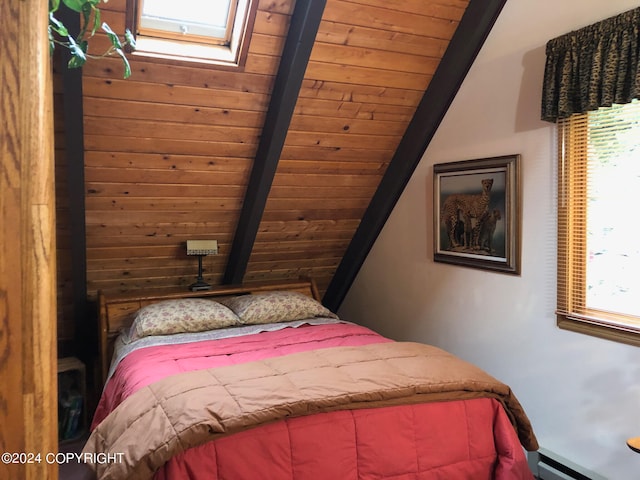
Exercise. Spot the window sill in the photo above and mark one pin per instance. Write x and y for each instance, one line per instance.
(616, 333)
(212, 55)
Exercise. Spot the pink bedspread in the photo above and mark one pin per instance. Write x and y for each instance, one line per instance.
(464, 439)
(458, 440)
(147, 365)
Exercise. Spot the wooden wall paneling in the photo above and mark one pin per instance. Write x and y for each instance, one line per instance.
(375, 58)
(179, 113)
(309, 214)
(290, 194)
(305, 235)
(317, 138)
(306, 208)
(147, 168)
(337, 154)
(165, 191)
(358, 168)
(289, 265)
(168, 153)
(302, 123)
(165, 129)
(364, 94)
(212, 163)
(362, 36)
(363, 75)
(182, 203)
(272, 23)
(474, 27)
(352, 109)
(126, 143)
(360, 91)
(251, 95)
(452, 9)
(172, 151)
(135, 218)
(305, 20)
(158, 236)
(262, 44)
(396, 17)
(28, 392)
(332, 180)
(122, 271)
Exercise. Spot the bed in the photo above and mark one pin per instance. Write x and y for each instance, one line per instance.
(263, 382)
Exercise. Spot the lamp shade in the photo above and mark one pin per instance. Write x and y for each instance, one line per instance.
(202, 247)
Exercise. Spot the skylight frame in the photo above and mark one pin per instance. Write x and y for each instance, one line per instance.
(187, 30)
(174, 47)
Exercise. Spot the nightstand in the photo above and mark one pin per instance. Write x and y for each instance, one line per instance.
(72, 399)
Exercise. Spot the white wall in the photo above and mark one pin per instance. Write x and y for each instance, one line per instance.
(581, 393)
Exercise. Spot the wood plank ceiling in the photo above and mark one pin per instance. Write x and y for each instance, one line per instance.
(168, 154)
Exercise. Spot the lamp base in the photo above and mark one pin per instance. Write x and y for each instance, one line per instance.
(198, 286)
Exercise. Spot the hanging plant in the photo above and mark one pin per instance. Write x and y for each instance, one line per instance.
(89, 24)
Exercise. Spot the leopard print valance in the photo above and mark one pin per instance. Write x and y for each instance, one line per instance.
(592, 67)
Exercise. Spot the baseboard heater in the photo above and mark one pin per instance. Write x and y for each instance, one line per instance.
(547, 465)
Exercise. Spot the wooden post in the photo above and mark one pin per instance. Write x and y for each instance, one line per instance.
(28, 403)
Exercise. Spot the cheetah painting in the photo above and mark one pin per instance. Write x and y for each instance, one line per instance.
(465, 207)
(476, 213)
(485, 229)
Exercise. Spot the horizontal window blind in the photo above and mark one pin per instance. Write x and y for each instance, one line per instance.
(599, 187)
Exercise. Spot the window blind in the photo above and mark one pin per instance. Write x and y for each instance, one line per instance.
(598, 189)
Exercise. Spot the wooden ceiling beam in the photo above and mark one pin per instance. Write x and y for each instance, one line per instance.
(305, 22)
(74, 151)
(465, 44)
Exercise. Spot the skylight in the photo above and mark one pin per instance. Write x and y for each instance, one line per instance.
(205, 31)
(189, 18)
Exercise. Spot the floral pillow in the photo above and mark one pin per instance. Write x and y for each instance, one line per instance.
(184, 315)
(278, 306)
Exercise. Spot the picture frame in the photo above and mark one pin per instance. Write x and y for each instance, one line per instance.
(476, 213)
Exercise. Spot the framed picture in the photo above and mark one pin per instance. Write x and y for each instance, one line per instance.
(477, 213)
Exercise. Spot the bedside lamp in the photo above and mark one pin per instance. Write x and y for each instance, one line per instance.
(201, 248)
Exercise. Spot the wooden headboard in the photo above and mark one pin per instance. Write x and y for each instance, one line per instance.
(116, 310)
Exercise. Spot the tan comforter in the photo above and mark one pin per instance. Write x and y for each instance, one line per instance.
(190, 409)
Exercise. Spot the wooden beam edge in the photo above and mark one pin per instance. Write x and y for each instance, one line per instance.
(305, 22)
(474, 28)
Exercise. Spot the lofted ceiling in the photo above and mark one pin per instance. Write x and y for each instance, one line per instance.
(292, 163)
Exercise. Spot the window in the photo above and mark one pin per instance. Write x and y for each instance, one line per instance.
(205, 31)
(204, 21)
(598, 246)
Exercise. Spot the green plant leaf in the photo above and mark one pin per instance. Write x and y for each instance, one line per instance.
(79, 46)
(130, 38)
(76, 50)
(86, 18)
(96, 21)
(78, 58)
(57, 26)
(127, 67)
(52, 43)
(115, 41)
(75, 5)
(76, 61)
